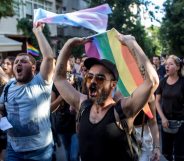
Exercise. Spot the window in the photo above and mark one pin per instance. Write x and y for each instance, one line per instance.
(58, 9)
(29, 8)
(16, 7)
(48, 6)
(36, 6)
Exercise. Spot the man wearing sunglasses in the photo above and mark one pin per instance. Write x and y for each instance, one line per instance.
(100, 138)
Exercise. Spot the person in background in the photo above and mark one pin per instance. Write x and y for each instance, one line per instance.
(170, 107)
(83, 69)
(64, 118)
(77, 64)
(7, 66)
(65, 124)
(159, 68)
(77, 73)
(28, 106)
(3, 137)
(1, 60)
(100, 138)
(163, 58)
(147, 132)
(182, 61)
(3, 80)
(161, 74)
(6, 73)
(71, 63)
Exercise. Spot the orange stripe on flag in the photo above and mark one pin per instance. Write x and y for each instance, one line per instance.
(147, 111)
(132, 65)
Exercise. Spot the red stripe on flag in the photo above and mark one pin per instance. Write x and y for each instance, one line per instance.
(132, 65)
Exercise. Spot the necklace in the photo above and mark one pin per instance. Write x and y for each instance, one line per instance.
(97, 110)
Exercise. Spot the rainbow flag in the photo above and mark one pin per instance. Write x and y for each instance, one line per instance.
(107, 46)
(32, 50)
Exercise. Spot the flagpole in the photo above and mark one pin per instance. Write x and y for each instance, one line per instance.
(91, 37)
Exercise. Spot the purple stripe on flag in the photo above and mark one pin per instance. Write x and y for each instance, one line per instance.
(92, 18)
(98, 48)
(91, 50)
(104, 9)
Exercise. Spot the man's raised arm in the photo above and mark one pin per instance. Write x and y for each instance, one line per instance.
(140, 96)
(48, 62)
(66, 90)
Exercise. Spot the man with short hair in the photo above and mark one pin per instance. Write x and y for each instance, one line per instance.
(28, 105)
(100, 138)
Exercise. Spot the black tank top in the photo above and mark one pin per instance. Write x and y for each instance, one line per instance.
(103, 141)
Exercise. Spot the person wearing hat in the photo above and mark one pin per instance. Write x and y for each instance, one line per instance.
(100, 139)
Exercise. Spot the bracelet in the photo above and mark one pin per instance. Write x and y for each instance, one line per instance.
(156, 147)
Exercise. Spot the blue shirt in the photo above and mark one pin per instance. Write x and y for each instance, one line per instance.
(28, 109)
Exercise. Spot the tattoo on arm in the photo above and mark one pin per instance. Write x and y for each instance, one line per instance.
(136, 59)
(142, 70)
(134, 53)
(141, 67)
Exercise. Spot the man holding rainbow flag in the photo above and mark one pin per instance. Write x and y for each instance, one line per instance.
(100, 137)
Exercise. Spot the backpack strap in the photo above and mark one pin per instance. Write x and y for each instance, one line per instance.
(143, 122)
(121, 116)
(119, 110)
(85, 104)
(6, 91)
(6, 96)
(124, 125)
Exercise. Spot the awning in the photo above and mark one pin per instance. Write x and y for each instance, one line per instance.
(7, 44)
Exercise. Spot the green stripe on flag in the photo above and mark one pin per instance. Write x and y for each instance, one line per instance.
(106, 53)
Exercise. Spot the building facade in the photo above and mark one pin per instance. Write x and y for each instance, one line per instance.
(12, 41)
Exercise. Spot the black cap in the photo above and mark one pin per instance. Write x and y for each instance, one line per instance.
(89, 62)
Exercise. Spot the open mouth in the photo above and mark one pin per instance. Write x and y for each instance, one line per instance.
(93, 94)
(19, 70)
(93, 90)
(4, 69)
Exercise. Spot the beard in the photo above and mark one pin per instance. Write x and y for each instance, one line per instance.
(26, 78)
(101, 96)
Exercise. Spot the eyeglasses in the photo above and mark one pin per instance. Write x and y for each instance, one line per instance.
(99, 78)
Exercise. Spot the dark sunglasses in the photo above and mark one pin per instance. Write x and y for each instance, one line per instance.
(99, 78)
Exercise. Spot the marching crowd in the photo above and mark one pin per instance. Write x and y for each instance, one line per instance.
(42, 101)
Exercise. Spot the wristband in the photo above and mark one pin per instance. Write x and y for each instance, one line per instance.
(156, 147)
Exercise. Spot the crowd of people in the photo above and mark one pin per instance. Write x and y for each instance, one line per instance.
(43, 100)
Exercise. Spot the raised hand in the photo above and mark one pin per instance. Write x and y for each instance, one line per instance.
(125, 39)
(38, 27)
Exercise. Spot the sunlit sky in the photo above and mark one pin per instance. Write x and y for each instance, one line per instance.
(145, 18)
